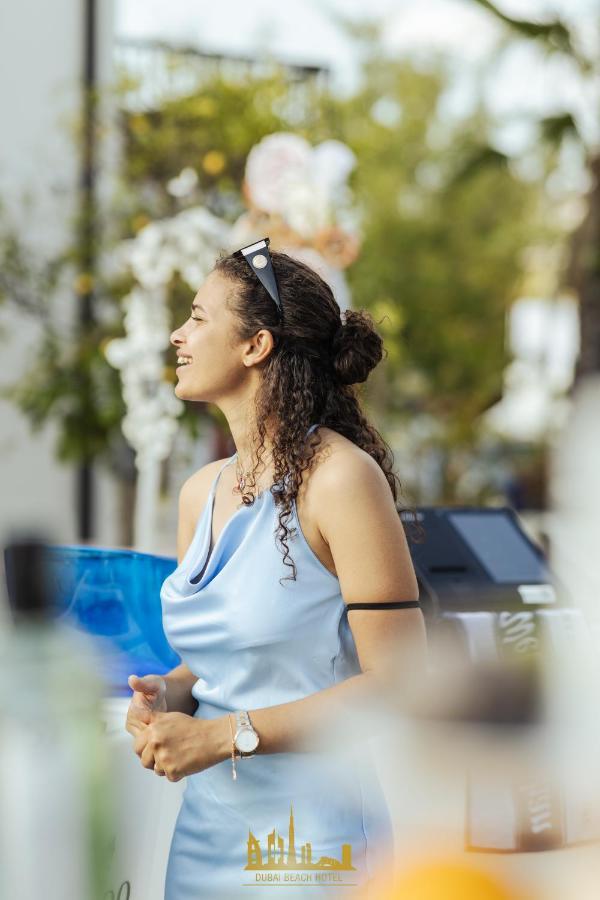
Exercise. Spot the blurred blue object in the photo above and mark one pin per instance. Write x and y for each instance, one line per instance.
(114, 596)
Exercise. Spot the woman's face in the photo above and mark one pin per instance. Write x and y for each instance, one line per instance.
(219, 364)
(206, 337)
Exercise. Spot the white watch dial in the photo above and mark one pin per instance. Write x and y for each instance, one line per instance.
(247, 740)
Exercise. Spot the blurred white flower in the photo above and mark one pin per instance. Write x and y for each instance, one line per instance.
(306, 209)
(331, 164)
(187, 244)
(273, 165)
(301, 186)
(386, 111)
(184, 183)
(149, 423)
(163, 248)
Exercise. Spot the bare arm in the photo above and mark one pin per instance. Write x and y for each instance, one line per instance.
(369, 547)
(180, 682)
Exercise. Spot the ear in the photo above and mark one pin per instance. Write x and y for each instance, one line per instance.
(258, 348)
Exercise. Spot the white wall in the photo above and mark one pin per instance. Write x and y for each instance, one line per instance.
(41, 47)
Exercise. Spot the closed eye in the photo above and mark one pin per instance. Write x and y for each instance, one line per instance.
(196, 319)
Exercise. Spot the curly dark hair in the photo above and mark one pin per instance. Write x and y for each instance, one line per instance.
(317, 358)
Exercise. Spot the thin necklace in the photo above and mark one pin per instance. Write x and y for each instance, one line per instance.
(242, 476)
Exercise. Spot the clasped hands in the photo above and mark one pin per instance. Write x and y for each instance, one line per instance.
(173, 744)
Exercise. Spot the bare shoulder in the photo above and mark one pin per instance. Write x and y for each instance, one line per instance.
(336, 472)
(194, 490)
(339, 463)
(354, 510)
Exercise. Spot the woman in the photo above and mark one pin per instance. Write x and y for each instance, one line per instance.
(276, 666)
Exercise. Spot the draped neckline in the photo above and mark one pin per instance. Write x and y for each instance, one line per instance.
(210, 506)
(197, 580)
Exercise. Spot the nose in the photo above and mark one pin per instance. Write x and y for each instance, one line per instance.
(175, 339)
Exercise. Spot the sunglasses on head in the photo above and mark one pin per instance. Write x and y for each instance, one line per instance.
(259, 259)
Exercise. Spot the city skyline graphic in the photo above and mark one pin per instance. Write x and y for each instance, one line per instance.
(276, 856)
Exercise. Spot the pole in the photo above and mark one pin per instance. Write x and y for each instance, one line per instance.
(85, 484)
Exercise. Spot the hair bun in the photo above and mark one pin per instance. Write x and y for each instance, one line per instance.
(357, 347)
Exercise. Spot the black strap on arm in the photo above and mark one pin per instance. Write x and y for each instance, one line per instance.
(404, 604)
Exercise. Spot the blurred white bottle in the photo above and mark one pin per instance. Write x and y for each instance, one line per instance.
(57, 821)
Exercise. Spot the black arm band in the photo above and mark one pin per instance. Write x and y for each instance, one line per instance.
(405, 604)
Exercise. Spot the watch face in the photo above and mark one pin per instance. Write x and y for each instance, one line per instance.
(247, 740)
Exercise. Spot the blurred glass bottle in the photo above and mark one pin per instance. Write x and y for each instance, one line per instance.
(57, 824)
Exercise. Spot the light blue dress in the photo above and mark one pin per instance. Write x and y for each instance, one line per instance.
(255, 642)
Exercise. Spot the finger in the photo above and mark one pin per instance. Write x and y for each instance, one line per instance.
(136, 684)
(135, 724)
(135, 729)
(158, 769)
(152, 688)
(147, 757)
(147, 684)
(141, 701)
(140, 743)
(139, 713)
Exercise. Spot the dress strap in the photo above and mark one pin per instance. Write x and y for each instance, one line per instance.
(218, 475)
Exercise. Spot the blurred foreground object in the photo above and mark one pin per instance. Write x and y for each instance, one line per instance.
(494, 782)
(113, 595)
(451, 879)
(575, 501)
(492, 758)
(57, 823)
(495, 750)
(523, 659)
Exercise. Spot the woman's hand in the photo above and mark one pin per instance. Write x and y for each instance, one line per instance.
(148, 696)
(175, 744)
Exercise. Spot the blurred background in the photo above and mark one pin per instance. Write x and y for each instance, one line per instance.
(445, 160)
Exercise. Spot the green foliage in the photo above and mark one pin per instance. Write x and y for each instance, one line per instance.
(211, 131)
(76, 387)
(445, 225)
(555, 132)
(554, 35)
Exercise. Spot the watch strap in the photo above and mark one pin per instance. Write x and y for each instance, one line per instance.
(242, 722)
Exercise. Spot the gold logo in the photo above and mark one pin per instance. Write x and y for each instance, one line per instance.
(295, 864)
